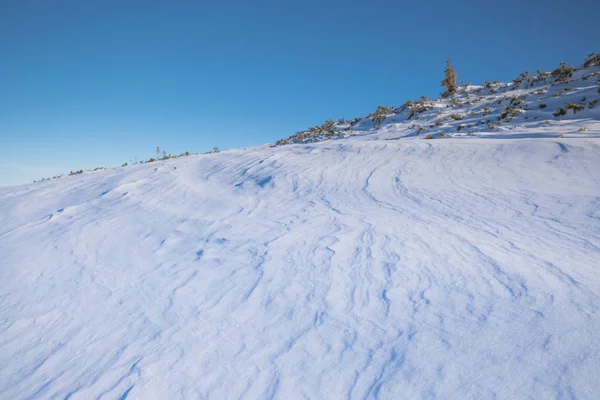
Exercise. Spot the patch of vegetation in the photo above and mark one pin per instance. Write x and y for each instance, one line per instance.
(592, 60)
(515, 101)
(456, 117)
(542, 106)
(522, 78)
(574, 107)
(561, 92)
(543, 74)
(380, 115)
(559, 112)
(355, 121)
(416, 107)
(324, 131)
(563, 73)
(486, 111)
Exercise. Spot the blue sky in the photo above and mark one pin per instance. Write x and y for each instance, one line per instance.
(100, 82)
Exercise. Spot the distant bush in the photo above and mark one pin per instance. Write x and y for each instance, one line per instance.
(355, 121)
(456, 117)
(542, 106)
(522, 77)
(592, 60)
(563, 73)
(380, 115)
(428, 137)
(559, 112)
(486, 111)
(574, 107)
(449, 82)
(515, 101)
(325, 131)
(542, 74)
(416, 107)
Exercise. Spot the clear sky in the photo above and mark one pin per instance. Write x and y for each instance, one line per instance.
(100, 82)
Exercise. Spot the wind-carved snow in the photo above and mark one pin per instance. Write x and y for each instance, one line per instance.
(344, 269)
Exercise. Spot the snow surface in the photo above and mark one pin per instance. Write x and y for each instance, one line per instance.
(343, 269)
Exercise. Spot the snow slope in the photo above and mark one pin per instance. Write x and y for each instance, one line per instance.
(566, 101)
(343, 269)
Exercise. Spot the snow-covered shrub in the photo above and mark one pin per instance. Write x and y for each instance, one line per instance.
(574, 107)
(559, 112)
(380, 115)
(563, 73)
(593, 60)
(416, 107)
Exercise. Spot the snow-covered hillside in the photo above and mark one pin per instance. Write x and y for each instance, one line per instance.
(565, 101)
(355, 268)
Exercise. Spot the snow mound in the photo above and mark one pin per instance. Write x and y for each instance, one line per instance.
(343, 269)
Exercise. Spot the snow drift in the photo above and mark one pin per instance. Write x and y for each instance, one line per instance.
(356, 269)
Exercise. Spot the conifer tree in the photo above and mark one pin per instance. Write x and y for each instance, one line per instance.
(449, 82)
